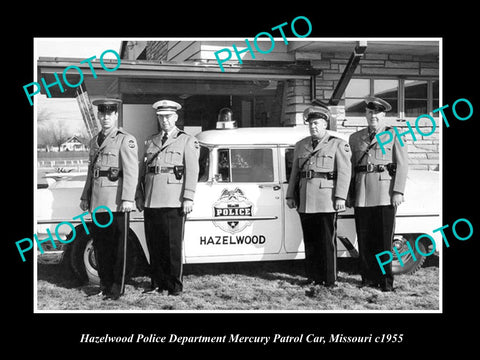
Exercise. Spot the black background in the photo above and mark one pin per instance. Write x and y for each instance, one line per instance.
(423, 333)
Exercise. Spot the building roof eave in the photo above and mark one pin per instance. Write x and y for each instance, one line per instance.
(50, 64)
(144, 69)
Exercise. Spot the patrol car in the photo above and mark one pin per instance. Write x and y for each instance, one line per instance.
(240, 211)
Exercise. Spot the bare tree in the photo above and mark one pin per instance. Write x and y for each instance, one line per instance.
(83, 137)
(43, 115)
(52, 133)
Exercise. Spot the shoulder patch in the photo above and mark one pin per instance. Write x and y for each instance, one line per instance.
(131, 143)
(346, 147)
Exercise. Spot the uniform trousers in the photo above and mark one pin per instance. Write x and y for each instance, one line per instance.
(375, 228)
(110, 251)
(320, 239)
(164, 235)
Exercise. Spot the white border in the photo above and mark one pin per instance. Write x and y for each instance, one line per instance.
(333, 39)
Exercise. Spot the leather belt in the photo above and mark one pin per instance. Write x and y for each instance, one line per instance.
(99, 173)
(369, 168)
(315, 174)
(160, 169)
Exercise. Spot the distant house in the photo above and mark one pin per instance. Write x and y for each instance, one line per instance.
(73, 144)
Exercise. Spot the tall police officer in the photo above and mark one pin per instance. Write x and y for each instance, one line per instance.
(170, 173)
(111, 181)
(321, 173)
(378, 183)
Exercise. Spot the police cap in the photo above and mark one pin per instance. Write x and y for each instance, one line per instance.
(107, 105)
(319, 111)
(377, 104)
(166, 107)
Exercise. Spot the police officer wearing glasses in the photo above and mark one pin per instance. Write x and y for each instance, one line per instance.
(320, 176)
(378, 184)
(166, 193)
(111, 181)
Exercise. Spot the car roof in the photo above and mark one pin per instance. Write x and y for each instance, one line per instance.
(258, 136)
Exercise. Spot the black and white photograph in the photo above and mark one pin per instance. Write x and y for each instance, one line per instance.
(240, 148)
(299, 179)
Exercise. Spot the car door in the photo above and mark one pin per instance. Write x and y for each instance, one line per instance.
(237, 212)
(293, 228)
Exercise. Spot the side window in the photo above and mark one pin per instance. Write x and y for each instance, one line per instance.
(288, 162)
(245, 165)
(204, 163)
(224, 165)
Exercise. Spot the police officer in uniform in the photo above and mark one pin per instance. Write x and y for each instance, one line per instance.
(378, 183)
(321, 174)
(111, 181)
(166, 193)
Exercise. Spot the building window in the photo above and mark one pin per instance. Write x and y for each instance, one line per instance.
(435, 97)
(355, 92)
(416, 97)
(387, 90)
(408, 97)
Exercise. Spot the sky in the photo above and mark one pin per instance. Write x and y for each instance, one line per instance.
(66, 111)
(76, 47)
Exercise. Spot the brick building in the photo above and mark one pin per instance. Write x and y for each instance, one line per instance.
(405, 73)
(269, 89)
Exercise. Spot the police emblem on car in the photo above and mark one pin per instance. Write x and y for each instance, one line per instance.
(231, 205)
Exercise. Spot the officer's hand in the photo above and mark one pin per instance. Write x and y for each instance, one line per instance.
(187, 206)
(349, 202)
(140, 204)
(397, 199)
(291, 203)
(84, 205)
(339, 204)
(126, 206)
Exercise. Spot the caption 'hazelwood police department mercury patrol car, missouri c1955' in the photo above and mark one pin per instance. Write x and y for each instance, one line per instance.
(240, 211)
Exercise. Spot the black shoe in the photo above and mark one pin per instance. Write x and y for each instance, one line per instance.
(94, 292)
(115, 292)
(306, 282)
(174, 292)
(330, 285)
(387, 288)
(150, 291)
(312, 292)
(106, 293)
(368, 282)
(156, 291)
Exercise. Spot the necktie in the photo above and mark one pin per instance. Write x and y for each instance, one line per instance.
(372, 135)
(314, 142)
(100, 138)
(164, 138)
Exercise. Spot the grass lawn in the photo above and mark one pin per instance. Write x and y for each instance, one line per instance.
(247, 286)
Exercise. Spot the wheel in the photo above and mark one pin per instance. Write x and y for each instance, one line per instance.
(84, 262)
(409, 265)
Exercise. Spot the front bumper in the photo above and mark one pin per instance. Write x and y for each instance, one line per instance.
(50, 257)
(51, 254)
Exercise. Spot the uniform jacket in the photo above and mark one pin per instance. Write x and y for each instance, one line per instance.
(318, 194)
(163, 189)
(376, 188)
(118, 150)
